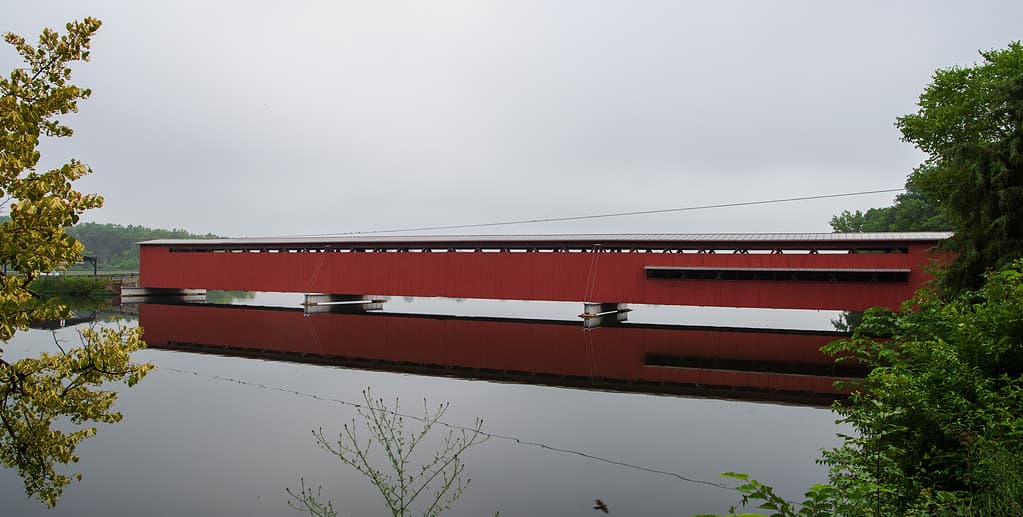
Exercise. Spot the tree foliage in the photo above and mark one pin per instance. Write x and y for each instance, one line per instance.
(942, 409)
(48, 402)
(970, 124)
(114, 245)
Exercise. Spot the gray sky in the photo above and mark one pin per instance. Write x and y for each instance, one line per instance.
(250, 118)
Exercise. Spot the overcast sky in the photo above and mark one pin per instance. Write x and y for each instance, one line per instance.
(253, 118)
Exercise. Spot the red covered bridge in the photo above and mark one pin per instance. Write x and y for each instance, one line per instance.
(840, 271)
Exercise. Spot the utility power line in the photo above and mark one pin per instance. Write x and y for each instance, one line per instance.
(604, 215)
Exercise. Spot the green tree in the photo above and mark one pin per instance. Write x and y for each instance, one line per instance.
(64, 387)
(970, 124)
(912, 212)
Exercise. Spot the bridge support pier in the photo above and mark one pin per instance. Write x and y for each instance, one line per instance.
(146, 294)
(597, 314)
(340, 303)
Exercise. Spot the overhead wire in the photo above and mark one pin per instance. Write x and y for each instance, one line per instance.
(599, 216)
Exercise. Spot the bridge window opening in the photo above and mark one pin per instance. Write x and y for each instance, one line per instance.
(753, 365)
(782, 275)
(878, 250)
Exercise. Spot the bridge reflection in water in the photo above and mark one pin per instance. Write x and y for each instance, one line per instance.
(741, 363)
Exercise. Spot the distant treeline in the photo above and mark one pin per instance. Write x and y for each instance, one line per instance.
(114, 246)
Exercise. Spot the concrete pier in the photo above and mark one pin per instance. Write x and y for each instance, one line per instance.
(595, 309)
(596, 314)
(320, 303)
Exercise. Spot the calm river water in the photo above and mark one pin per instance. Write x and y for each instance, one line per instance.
(223, 428)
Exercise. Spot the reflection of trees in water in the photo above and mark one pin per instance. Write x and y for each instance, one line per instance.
(847, 321)
(432, 477)
(88, 310)
(225, 297)
(37, 393)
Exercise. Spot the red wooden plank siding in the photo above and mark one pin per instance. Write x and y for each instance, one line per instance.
(540, 275)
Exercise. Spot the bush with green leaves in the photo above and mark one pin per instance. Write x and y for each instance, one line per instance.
(70, 285)
(939, 420)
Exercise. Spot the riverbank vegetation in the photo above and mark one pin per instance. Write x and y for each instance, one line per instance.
(939, 420)
(71, 285)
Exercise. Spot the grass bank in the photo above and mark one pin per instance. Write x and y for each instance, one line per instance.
(71, 285)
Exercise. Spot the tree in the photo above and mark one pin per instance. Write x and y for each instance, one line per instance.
(114, 246)
(970, 124)
(64, 386)
(912, 212)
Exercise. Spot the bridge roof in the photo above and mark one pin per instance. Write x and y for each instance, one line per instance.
(546, 240)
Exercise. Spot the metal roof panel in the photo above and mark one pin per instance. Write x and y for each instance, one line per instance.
(638, 239)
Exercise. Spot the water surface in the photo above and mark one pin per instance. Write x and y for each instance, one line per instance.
(215, 433)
